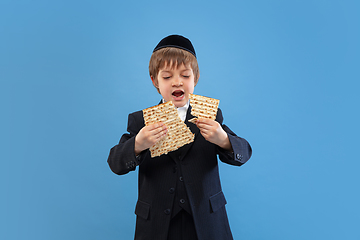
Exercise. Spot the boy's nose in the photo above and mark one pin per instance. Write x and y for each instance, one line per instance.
(177, 83)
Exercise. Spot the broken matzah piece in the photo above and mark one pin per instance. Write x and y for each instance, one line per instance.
(203, 107)
(178, 133)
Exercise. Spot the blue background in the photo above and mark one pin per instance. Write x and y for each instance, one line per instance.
(287, 75)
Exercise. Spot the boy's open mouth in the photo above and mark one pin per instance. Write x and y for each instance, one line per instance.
(178, 93)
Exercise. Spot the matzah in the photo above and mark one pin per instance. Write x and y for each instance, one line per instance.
(178, 133)
(203, 107)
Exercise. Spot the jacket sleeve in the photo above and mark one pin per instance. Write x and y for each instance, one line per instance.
(122, 157)
(241, 149)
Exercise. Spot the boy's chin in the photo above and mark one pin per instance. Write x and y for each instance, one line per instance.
(179, 103)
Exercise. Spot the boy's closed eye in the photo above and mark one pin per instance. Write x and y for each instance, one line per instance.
(166, 76)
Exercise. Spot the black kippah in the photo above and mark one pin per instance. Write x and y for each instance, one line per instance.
(176, 41)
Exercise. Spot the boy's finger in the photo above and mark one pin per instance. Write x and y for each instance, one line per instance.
(203, 124)
(159, 130)
(160, 134)
(155, 125)
(205, 121)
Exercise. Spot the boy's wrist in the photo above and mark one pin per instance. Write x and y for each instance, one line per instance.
(137, 150)
(225, 144)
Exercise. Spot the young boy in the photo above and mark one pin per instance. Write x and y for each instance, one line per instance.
(179, 193)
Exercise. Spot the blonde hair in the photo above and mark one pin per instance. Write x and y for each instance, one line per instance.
(173, 57)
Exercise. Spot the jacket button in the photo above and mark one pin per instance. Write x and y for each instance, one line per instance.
(181, 179)
(167, 211)
(239, 156)
(182, 201)
(171, 190)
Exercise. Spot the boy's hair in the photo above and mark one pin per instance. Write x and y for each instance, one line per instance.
(170, 56)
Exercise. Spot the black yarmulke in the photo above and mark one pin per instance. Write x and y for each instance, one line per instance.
(176, 41)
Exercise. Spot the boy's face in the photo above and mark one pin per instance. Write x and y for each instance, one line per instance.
(175, 83)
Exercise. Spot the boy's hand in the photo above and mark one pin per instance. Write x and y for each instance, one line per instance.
(148, 136)
(214, 133)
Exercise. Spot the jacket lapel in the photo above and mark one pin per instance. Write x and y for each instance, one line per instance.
(194, 129)
(181, 152)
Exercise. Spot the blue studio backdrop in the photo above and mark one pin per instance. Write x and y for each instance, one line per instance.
(287, 76)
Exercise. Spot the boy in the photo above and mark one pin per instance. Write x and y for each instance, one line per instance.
(179, 193)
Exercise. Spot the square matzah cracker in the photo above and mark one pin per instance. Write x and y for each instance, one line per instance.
(203, 107)
(178, 133)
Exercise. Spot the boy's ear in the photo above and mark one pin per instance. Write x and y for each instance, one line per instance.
(196, 82)
(153, 81)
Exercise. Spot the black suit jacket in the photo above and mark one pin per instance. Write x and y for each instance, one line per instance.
(199, 166)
